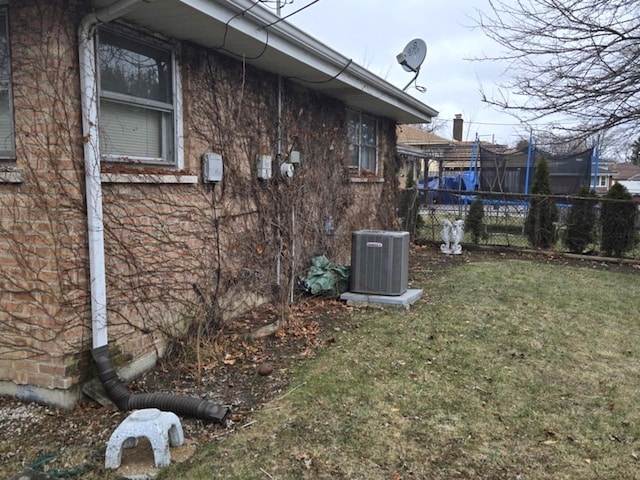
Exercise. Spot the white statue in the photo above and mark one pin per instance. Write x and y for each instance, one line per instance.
(447, 226)
(452, 234)
(457, 233)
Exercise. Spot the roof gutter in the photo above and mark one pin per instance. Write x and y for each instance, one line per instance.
(369, 80)
(295, 36)
(295, 43)
(193, 407)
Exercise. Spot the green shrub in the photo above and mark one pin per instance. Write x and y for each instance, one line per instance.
(618, 219)
(581, 221)
(474, 223)
(409, 209)
(539, 225)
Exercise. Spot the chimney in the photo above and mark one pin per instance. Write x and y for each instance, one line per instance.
(457, 127)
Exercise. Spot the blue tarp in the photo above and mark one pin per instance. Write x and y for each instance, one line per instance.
(464, 181)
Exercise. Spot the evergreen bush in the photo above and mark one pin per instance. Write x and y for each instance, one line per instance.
(539, 225)
(581, 221)
(474, 223)
(618, 220)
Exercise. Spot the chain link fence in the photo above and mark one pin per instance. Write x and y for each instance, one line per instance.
(504, 218)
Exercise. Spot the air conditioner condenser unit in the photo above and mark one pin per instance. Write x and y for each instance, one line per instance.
(379, 262)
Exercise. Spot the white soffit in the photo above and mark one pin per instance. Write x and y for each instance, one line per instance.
(237, 28)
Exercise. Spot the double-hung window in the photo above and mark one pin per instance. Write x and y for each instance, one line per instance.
(362, 141)
(7, 143)
(602, 181)
(137, 100)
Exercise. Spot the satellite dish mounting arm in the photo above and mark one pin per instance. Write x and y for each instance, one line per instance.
(413, 79)
(411, 58)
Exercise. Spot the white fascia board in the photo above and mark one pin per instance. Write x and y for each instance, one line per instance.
(299, 47)
(237, 28)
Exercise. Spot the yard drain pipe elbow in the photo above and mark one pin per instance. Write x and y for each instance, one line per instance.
(178, 404)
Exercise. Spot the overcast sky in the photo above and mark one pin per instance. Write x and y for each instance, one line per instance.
(373, 32)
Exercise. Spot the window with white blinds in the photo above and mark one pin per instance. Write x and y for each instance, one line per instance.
(137, 105)
(7, 142)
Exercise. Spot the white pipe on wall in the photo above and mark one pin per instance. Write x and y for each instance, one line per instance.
(93, 185)
(195, 407)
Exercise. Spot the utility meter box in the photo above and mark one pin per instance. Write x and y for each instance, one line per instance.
(286, 170)
(212, 167)
(264, 167)
(294, 157)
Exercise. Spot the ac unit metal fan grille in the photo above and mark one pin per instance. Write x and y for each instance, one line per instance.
(379, 262)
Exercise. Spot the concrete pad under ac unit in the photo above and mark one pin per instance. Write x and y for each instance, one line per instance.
(405, 300)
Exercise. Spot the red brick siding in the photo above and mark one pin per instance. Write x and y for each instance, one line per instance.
(161, 240)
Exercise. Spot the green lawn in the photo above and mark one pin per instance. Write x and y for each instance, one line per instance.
(504, 369)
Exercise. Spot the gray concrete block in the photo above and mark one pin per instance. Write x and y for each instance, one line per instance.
(162, 429)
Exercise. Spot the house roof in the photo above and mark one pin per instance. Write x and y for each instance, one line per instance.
(418, 143)
(625, 171)
(414, 136)
(249, 32)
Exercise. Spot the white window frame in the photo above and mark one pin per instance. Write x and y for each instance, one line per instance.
(171, 146)
(355, 142)
(7, 144)
(602, 180)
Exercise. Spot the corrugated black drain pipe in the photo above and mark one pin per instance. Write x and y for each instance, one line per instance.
(178, 404)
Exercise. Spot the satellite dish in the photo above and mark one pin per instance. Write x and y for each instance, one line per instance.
(413, 55)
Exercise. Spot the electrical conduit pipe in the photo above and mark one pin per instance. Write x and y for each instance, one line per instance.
(187, 406)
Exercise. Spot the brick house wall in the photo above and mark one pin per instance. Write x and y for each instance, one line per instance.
(43, 306)
(178, 251)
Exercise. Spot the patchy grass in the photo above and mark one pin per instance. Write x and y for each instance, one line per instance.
(504, 369)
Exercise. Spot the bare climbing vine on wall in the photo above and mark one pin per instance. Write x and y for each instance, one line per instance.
(181, 258)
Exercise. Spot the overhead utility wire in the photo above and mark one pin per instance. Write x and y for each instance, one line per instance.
(226, 30)
(299, 78)
(290, 15)
(497, 124)
(326, 80)
(226, 26)
(267, 2)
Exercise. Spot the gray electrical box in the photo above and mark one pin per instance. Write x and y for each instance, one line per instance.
(212, 167)
(264, 167)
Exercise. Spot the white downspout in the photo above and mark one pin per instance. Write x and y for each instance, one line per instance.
(194, 407)
(93, 186)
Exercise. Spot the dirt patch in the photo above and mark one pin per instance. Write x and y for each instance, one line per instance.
(42, 440)
(72, 444)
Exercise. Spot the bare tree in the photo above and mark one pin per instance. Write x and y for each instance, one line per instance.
(438, 126)
(560, 144)
(576, 58)
(634, 155)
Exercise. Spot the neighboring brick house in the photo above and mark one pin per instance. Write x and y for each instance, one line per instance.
(603, 180)
(110, 234)
(428, 153)
(493, 167)
(436, 156)
(628, 175)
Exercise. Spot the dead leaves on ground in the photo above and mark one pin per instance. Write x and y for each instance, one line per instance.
(301, 334)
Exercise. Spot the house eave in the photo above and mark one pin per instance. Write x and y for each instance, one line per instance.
(245, 30)
(411, 152)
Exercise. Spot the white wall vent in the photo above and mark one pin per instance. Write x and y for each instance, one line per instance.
(379, 262)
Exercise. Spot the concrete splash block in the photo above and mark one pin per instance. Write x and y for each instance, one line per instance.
(163, 429)
(405, 300)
